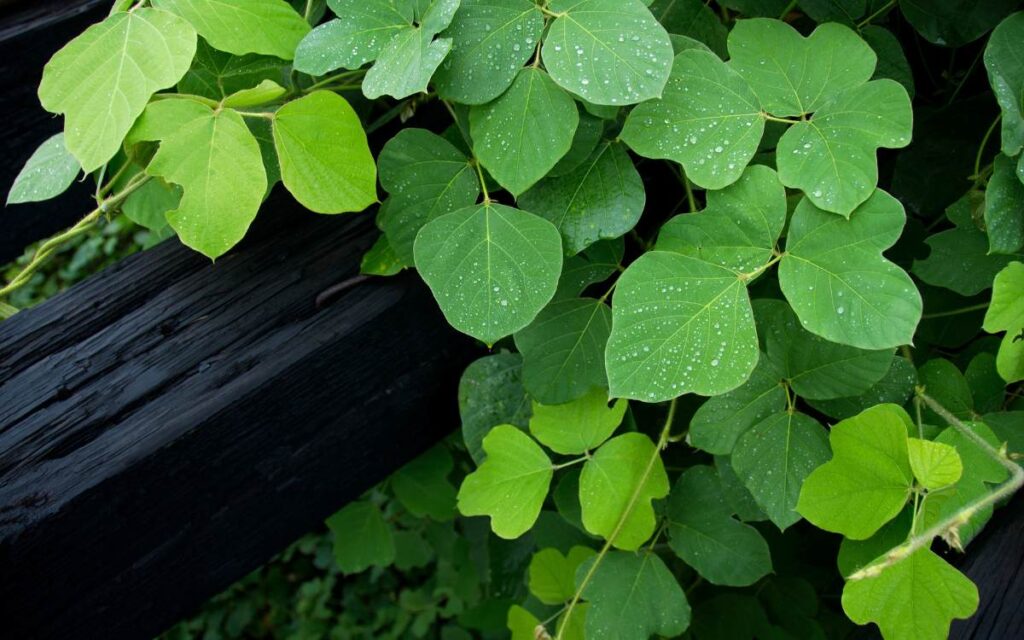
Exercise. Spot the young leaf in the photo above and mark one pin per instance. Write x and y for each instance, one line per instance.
(522, 623)
(576, 427)
(552, 576)
(363, 30)
(520, 136)
(362, 539)
(935, 465)
(47, 174)
(563, 350)
(708, 120)
(837, 281)
(632, 597)
(266, 91)
(1004, 208)
(704, 534)
(775, 456)
(128, 55)
(491, 40)
(492, 268)
(609, 52)
(915, 599)
(491, 392)
(1006, 313)
(601, 199)
(607, 484)
(423, 488)
(511, 484)
(869, 478)
(1004, 61)
(217, 161)
(325, 159)
(270, 27)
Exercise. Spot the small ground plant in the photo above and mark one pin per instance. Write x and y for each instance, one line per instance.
(751, 273)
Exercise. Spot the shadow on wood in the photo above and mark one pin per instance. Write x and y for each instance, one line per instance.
(168, 425)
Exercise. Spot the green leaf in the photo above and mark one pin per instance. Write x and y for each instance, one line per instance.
(382, 260)
(325, 158)
(720, 421)
(412, 551)
(892, 61)
(952, 23)
(271, 27)
(708, 120)
(692, 19)
(563, 350)
(601, 199)
(427, 177)
(149, 204)
(1004, 61)
(609, 52)
(894, 388)
(837, 281)
(831, 157)
(915, 599)
(48, 173)
(588, 135)
(217, 161)
(520, 136)
(854, 555)
(594, 264)
(632, 597)
(579, 426)
(216, 75)
(1004, 208)
(1006, 313)
(266, 91)
(423, 488)
(815, 368)
(935, 465)
(364, 29)
(492, 268)
(491, 393)
(679, 325)
(552, 576)
(626, 465)
(844, 11)
(491, 40)
(733, 491)
(704, 534)
(773, 459)
(511, 484)
(949, 387)
(869, 478)
(522, 623)
(362, 539)
(127, 58)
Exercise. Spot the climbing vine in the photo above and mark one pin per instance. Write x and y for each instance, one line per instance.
(750, 272)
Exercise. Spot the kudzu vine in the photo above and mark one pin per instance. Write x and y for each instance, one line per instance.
(808, 376)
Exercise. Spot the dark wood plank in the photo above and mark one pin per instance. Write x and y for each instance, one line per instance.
(169, 425)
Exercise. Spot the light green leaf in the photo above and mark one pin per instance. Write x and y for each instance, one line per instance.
(692, 19)
(423, 488)
(831, 157)
(837, 281)
(704, 534)
(575, 427)
(363, 30)
(1004, 208)
(362, 539)
(869, 478)
(679, 325)
(492, 268)
(775, 456)
(563, 350)
(266, 91)
(594, 264)
(1004, 61)
(491, 40)
(608, 482)
(491, 393)
(217, 161)
(48, 173)
(708, 120)
(952, 23)
(510, 485)
(601, 199)
(325, 159)
(609, 52)
(215, 74)
(127, 57)
(552, 576)
(522, 623)
(520, 136)
(1006, 313)
(632, 597)
(793, 75)
(894, 388)
(162, 118)
(935, 465)
(271, 27)
(720, 421)
(427, 177)
(149, 204)
(738, 228)
(915, 599)
(854, 555)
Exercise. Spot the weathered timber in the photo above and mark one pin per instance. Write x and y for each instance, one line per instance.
(170, 424)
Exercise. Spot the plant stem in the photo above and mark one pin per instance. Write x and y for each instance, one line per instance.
(866, 21)
(984, 143)
(774, 119)
(309, 10)
(213, 104)
(345, 75)
(789, 8)
(267, 115)
(690, 200)
(483, 183)
(570, 463)
(662, 442)
(955, 312)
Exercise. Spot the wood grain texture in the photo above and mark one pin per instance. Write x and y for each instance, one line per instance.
(170, 424)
